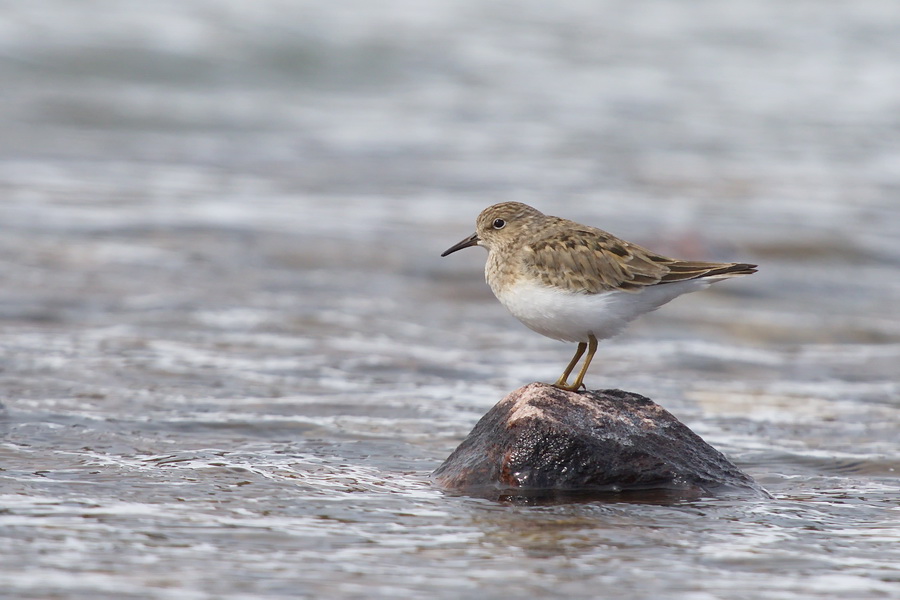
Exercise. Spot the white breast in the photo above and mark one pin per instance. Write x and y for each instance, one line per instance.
(572, 316)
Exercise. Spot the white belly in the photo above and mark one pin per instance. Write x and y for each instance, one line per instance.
(572, 316)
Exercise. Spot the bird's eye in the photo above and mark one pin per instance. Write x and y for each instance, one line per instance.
(499, 224)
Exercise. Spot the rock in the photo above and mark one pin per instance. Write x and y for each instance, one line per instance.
(542, 440)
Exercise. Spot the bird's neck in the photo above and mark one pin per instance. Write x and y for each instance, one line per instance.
(502, 268)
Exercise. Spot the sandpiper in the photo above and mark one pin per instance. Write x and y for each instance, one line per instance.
(577, 283)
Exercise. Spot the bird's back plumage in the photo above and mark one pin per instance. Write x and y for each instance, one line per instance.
(585, 259)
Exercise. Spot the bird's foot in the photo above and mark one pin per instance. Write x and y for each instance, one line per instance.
(563, 385)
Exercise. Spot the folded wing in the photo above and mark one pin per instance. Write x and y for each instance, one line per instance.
(593, 261)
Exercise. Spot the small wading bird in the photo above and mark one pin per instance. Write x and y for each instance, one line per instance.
(576, 283)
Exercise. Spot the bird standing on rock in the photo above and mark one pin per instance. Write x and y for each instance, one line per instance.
(577, 283)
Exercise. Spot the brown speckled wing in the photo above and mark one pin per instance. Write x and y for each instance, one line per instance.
(591, 260)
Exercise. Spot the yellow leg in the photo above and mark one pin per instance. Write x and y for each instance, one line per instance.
(562, 382)
(592, 349)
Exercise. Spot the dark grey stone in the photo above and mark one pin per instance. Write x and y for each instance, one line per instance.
(540, 439)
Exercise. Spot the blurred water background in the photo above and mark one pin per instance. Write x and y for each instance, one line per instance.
(230, 354)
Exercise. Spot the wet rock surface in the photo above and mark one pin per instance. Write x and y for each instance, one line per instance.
(542, 440)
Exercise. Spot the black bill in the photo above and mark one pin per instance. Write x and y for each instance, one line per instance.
(466, 243)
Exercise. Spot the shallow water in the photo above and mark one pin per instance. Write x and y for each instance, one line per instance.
(231, 354)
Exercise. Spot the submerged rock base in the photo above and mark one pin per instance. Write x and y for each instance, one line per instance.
(543, 439)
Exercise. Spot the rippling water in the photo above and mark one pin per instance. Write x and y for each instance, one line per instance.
(231, 355)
